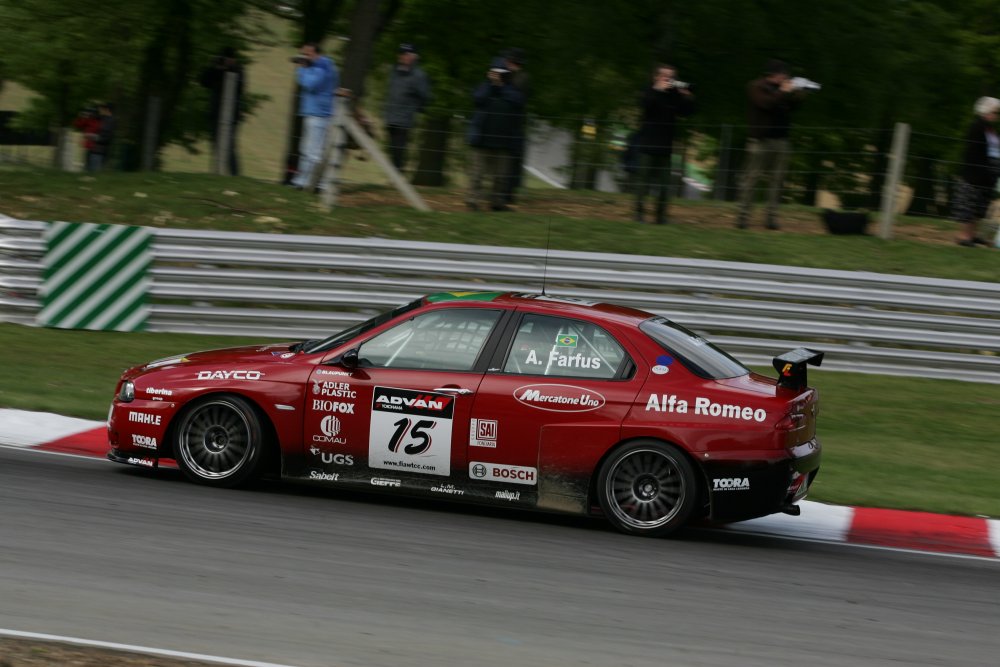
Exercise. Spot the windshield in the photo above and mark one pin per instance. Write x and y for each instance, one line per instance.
(358, 329)
(697, 354)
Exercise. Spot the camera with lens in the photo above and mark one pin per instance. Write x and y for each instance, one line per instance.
(301, 60)
(802, 83)
(680, 85)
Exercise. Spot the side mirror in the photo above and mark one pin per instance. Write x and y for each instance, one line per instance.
(349, 359)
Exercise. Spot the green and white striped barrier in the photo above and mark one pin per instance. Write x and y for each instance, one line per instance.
(95, 277)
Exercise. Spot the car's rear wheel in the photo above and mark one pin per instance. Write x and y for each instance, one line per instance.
(647, 488)
(219, 441)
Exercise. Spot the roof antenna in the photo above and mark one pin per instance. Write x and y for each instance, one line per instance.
(545, 266)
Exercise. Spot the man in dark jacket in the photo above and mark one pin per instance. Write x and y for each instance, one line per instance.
(409, 92)
(772, 98)
(101, 151)
(493, 134)
(980, 167)
(662, 103)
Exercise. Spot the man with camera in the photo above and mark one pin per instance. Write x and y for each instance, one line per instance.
(662, 103)
(493, 136)
(772, 98)
(317, 77)
(409, 92)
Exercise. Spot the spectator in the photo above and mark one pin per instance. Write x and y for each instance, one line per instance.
(317, 77)
(514, 61)
(661, 104)
(214, 78)
(89, 124)
(492, 135)
(980, 165)
(772, 98)
(104, 137)
(409, 92)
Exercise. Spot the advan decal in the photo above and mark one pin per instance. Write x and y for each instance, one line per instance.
(411, 431)
(558, 397)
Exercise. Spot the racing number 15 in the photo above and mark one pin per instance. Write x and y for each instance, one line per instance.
(422, 440)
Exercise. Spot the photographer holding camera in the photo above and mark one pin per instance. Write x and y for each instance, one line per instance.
(772, 99)
(662, 103)
(317, 77)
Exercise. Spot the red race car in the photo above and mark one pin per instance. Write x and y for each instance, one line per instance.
(525, 400)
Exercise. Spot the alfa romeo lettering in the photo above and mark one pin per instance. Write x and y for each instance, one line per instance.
(500, 472)
(143, 441)
(558, 397)
(704, 407)
(230, 375)
(320, 405)
(144, 418)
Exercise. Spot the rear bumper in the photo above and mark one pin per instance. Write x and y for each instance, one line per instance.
(746, 489)
(132, 458)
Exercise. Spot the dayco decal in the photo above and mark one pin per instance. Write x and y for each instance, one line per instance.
(500, 472)
(449, 489)
(330, 426)
(333, 406)
(324, 476)
(230, 375)
(731, 484)
(558, 397)
(704, 407)
(144, 418)
(330, 457)
(383, 481)
(334, 389)
(136, 461)
(143, 441)
(508, 495)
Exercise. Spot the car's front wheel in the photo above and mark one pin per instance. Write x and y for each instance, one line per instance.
(219, 441)
(647, 488)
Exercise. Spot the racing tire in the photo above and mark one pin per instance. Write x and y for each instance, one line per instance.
(219, 441)
(647, 488)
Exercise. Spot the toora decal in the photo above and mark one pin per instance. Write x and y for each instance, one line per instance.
(143, 441)
(731, 484)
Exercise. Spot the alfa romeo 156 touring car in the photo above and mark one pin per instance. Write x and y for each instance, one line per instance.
(522, 400)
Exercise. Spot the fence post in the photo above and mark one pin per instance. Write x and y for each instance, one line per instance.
(326, 173)
(150, 132)
(897, 160)
(224, 132)
(722, 170)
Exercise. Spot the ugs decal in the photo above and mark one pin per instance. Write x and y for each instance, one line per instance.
(230, 375)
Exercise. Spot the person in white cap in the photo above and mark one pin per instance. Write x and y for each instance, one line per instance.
(979, 170)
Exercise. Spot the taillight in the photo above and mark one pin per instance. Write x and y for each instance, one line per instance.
(791, 422)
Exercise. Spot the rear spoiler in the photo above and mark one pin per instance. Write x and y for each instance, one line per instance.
(791, 366)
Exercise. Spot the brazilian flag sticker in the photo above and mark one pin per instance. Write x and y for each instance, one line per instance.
(566, 340)
(463, 296)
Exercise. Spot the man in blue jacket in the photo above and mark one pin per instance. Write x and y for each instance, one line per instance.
(317, 77)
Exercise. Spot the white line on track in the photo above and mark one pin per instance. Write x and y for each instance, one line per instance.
(147, 650)
(49, 452)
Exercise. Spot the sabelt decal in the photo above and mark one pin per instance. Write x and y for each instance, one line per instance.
(230, 375)
(704, 407)
(411, 431)
(501, 472)
(324, 476)
(559, 397)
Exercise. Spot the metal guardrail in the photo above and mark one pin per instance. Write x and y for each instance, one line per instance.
(292, 287)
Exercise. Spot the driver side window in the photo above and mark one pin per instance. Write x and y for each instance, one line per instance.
(562, 347)
(447, 340)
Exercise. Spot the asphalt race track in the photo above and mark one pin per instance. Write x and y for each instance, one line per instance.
(304, 576)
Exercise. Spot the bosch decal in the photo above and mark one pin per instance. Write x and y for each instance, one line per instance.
(500, 472)
(411, 430)
(558, 397)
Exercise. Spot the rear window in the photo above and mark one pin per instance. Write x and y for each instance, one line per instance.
(697, 354)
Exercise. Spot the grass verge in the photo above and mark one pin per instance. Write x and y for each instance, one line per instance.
(905, 443)
(577, 220)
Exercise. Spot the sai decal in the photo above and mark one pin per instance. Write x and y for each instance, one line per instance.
(411, 431)
(558, 397)
(483, 433)
(704, 407)
(730, 484)
(230, 375)
(500, 472)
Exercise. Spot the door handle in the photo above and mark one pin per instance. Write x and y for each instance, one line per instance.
(454, 390)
